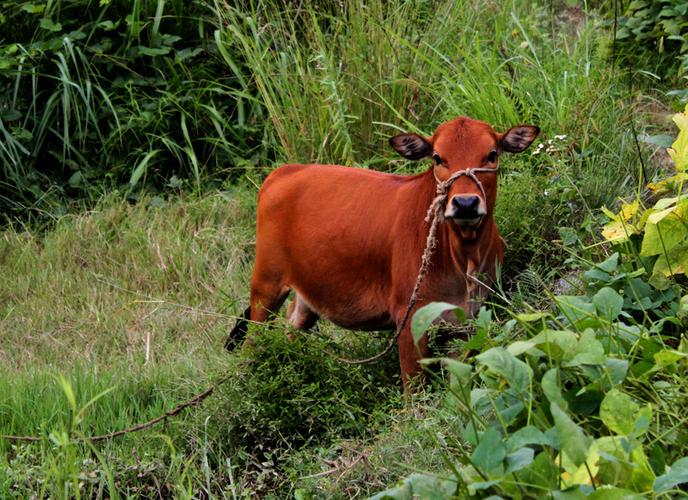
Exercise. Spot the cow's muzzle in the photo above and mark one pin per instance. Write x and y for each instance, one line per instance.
(467, 210)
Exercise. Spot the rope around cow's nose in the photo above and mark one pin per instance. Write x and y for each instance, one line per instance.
(435, 215)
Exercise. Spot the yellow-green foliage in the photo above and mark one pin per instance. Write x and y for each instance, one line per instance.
(663, 226)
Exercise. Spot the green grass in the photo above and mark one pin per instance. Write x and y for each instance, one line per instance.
(130, 302)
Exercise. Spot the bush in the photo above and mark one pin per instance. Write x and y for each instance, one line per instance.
(113, 93)
(288, 393)
(655, 27)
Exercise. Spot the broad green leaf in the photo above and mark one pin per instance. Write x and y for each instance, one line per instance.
(76, 179)
(608, 303)
(501, 362)
(48, 24)
(610, 264)
(32, 8)
(618, 231)
(519, 347)
(460, 372)
(607, 492)
(665, 229)
(525, 436)
(618, 411)
(662, 140)
(489, 455)
(642, 420)
(672, 263)
(574, 443)
(617, 370)
(557, 344)
(589, 351)
(519, 459)
(577, 309)
(550, 386)
(678, 474)
(420, 486)
(568, 236)
(426, 315)
(667, 357)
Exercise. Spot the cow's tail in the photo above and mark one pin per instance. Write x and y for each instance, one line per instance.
(238, 333)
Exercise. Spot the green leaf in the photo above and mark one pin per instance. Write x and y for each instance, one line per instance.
(489, 455)
(519, 459)
(678, 474)
(76, 179)
(460, 372)
(607, 492)
(32, 8)
(571, 437)
(667, 357)
(608, 303)
(618, 411)
(675, 261)
(48, 24)
(420, 486)
(589, 351)
(550, 386)
(426, 315)
(610, 264)
(568, 236)
(577, 309)
(531, 317)
(617, 370)
(141, 168)
(501, 362)
(662, 140)
(153, 51)
(525, 436)
(665, 229)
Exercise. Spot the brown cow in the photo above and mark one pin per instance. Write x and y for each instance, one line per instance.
(349, 241)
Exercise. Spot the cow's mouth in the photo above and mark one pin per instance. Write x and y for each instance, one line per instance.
(471, 223)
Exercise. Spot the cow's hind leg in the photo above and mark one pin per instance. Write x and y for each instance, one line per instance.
(238, 333)
(264, 301)
(300, 315)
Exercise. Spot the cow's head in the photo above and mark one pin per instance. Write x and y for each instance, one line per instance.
(460, 144)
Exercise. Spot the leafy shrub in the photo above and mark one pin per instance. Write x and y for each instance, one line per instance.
(587, 398)
(113, 93)
(532, 408)
(660, 26)
(291, 392)
(658, 235)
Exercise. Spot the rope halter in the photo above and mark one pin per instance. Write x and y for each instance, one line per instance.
(437, 206)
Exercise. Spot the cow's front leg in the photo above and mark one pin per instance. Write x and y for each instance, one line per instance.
(410, 353)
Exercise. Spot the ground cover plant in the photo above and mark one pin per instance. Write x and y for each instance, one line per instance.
(117, 310)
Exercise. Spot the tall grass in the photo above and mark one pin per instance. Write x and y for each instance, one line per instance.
(115, 95)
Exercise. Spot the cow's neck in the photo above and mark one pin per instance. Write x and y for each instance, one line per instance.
(463, 261)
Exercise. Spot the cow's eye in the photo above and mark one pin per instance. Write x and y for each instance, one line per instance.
(492, 157)
(436, 158)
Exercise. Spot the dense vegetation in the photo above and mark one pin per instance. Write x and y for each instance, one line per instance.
(141, 130)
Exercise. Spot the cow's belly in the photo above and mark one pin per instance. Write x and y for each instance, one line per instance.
(347, 306)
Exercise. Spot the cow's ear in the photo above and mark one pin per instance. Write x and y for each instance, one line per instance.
(518, 138)
(411, 146)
